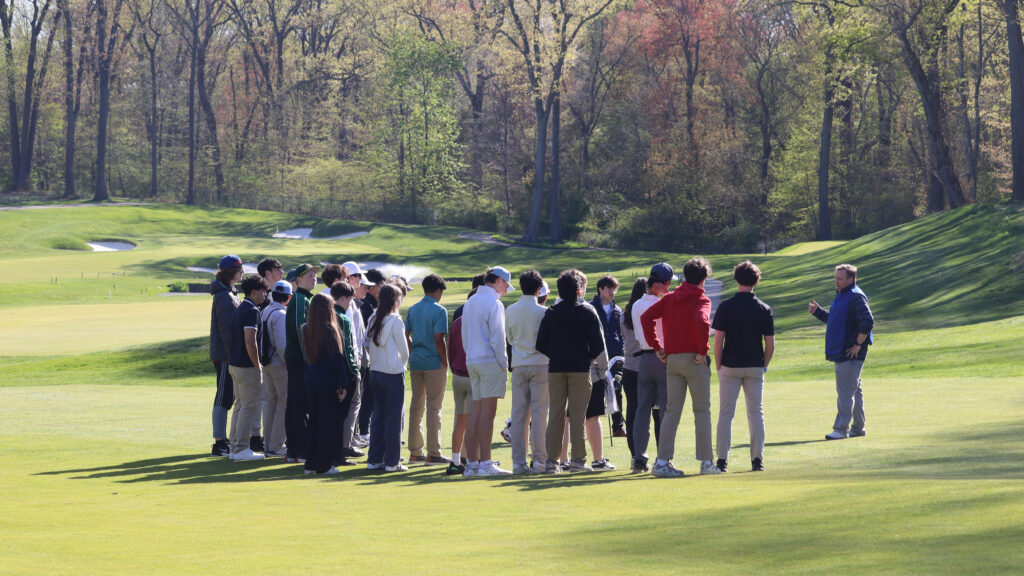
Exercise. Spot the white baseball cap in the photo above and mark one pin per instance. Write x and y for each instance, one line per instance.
(354, 270)
(544, 290)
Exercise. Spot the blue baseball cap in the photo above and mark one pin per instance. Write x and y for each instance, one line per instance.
(230, 261)
(290, 276)
(662, 272)
(282, 287)
(504, 275)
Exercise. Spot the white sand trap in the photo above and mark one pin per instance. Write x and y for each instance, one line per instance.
(388, 269)
(109, 246)
(247, 268)
(307, 234)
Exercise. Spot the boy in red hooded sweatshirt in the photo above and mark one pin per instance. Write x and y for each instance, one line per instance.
(686, 322)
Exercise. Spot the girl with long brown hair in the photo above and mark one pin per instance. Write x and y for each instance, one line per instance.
(328, 383)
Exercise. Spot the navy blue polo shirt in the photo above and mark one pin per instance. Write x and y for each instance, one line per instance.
(247, 315)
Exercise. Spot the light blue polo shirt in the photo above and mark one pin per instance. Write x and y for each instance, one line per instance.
(424, 319)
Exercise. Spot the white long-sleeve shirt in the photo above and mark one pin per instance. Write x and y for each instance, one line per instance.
(358, 331)
(483, 328)
(522, 322)
(639, 307)
(392, 354)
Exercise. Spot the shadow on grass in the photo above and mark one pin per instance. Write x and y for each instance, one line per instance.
(993, 452)
(203, 469)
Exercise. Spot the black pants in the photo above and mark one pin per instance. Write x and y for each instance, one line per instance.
(296, 425)
(629, 387)
(366, 408)
(324, 426)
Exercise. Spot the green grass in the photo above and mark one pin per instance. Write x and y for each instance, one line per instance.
(105, 395)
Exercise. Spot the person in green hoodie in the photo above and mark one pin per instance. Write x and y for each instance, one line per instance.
(342, 293)
(296, 423)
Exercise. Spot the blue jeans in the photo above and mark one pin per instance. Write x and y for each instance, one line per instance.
(386, 422)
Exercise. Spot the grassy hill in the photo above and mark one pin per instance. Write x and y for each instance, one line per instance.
(105, 394)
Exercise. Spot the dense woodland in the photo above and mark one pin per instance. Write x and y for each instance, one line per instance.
(671, 124)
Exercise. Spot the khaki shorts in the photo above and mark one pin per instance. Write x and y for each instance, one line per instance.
(488, 380)
(463, 392)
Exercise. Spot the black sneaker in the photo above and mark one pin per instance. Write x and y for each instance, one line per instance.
(256, 443)
(640, 466)
(455, 470)
(220, 448)
(756, 465)
(602, 465)
(352, 453)
(722, 465)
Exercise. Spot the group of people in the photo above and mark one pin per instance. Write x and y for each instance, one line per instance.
(320, 378)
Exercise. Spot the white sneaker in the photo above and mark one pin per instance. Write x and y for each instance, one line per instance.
(521, 470)
(399, 468)
(539, 468)
(837, 435)
(708, 467)
(470, 472)
(331, 470)
(246, 455)
(667, 470)
(492, 470)
(372, 466)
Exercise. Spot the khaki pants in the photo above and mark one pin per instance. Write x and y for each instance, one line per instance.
(681, 374)
(730, 382)
(530, 400)
(428, 393)
(568, 390)
(248, 393)
(275, 377)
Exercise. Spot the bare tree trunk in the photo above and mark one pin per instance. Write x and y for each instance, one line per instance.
(70, 113)
(556, 210)
(825, 154)
(103, 74)
(1016, 51)
(533, 226)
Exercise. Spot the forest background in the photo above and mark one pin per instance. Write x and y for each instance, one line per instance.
(681, 125)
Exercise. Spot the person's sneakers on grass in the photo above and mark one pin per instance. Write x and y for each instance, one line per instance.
(640, 466)
(437, 461)
(667, 470)
(619, 432)
(352, 453)
(273, 454)
(417, 459)
(707, 467)
(857, 433)
(398, 468)
(374, 465)
(455, 470)
(256, 443)
(221, 448)
(837, 435)
(489, 468)
(579, 466)
(722, 465)
(552, 467)
(330, 471)
(756, 465)
(246, 455)
(602, 465)
(521, 470)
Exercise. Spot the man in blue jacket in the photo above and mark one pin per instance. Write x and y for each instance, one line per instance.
(847, 336)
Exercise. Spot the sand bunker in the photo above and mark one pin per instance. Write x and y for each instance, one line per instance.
(307, 234)
(109, 246)
(388, 269)
(247, 268)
